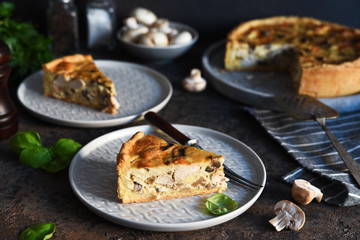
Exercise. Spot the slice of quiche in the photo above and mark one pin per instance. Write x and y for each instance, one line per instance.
(151, 169)
(77, 79)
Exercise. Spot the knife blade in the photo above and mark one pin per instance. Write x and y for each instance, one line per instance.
(166, 127)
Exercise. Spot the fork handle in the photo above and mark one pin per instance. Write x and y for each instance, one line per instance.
(166, 127)
(353, 167)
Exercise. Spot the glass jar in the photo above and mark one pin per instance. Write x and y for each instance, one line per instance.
(101, 22)
(62, 16)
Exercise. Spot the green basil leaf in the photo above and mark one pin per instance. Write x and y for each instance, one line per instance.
(35, 156)
(66, 147)
(64, 151)
(220, 204)
(40, 231)
(22, 140)
(58, 164)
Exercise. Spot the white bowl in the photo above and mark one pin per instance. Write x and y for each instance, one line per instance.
(159, 53)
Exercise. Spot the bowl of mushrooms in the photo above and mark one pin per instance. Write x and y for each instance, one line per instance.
(155, 39)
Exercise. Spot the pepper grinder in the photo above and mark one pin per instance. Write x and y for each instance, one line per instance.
(8, 112)
(62, 17)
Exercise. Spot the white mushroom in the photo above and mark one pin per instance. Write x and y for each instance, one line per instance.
(132, 35)
(162, 25)
(194, 83)
(131, 23)
(144, 16)
(303, 192)
(153, 39)
(174, 32)
(182, 38)
(288, 215)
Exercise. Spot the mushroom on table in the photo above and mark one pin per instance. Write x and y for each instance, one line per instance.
(304, 192)
(288, 215)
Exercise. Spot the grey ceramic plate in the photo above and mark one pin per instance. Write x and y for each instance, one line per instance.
(98, 192)
(139, 89)
(258, 88)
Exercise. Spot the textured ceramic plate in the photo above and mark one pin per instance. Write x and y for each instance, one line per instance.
(258, 88)
(139, 89)
(93, 178)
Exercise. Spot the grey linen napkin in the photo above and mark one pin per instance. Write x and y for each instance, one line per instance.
(319, 162)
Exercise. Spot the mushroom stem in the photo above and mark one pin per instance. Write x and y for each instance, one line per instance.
(303, 192)
(288, 215)
(281, 221)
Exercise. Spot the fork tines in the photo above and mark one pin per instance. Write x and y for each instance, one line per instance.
(236, 178)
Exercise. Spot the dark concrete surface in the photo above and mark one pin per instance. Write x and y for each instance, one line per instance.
(30, 196)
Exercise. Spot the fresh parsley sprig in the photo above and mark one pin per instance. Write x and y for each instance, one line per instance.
(29, 49)
(33, 154)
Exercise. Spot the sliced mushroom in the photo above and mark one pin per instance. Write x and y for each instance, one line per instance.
(194, 83)
(303, 192)
(288, 215)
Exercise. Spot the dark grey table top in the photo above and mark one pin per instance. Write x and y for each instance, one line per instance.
(30, 196)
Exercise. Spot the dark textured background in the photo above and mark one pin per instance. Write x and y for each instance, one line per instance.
(212, 18)
(29, 196)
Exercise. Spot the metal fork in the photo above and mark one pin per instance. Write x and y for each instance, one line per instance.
(167, 128)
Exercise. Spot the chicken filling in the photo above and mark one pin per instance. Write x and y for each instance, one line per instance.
(177, 178)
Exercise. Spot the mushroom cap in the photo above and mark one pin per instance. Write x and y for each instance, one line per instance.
(194, 82)
(144, 16)
(303, 192)
(131, 23)
(162, 25)
(132, 35)
(183, 37)
(154, 38)
(288, 215)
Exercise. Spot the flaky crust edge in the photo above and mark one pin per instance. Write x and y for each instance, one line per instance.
(323, 81)
(123, 164)
(123, 161)
(49, 74)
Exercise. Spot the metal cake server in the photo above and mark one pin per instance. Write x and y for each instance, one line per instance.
(304, 107)
(167, 128)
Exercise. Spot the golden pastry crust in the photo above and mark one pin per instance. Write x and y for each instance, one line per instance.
(151, 169)
(324, 56)
(77, 79)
